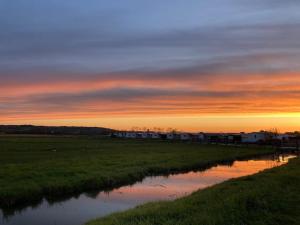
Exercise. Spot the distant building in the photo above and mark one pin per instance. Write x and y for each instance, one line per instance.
(172, 136)
(155, 135)
(163, 136)
(198, 137)
(139, 134)
(201, 137)
(214, 137)
(284, 137)
(130, 135)
(145, 135)
(120, 134)
(185, 137)
(254, 137)
(233, 138)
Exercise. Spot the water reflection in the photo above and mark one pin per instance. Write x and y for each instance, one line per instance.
(84, 207)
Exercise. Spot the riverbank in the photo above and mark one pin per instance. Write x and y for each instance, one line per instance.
(271, 197)
(55, 167)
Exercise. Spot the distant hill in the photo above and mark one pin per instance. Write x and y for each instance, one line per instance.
(53, 130)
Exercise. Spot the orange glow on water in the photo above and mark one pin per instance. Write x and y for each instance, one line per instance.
(174, 186)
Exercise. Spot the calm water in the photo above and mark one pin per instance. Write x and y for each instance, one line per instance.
(77, 211)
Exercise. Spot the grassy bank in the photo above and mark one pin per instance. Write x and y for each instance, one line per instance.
(32, 167)
(268, 198)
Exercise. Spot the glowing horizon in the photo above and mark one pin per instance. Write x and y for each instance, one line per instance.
(188, 124)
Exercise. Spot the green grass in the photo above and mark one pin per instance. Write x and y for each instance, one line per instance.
(32, 167)
(268, 198)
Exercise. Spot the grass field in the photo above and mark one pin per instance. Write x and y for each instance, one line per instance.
(268, 198)
(32, 167)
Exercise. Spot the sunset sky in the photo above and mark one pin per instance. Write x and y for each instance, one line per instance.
(210, 65)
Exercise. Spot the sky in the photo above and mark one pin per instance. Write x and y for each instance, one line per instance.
(210, 65)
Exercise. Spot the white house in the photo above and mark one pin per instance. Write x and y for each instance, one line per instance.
(155, 135)
(185, 137)
(201, 137)
(120, 134)
(254, 137)
(139, 134)
(284, 137)
(130, 135)
(145, 135)
(170, 136)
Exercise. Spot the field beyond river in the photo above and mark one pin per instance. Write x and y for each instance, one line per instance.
(34, 167)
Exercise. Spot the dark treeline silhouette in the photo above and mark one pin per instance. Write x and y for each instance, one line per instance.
(53, 130)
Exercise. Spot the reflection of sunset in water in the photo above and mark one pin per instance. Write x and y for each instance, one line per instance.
(174, 186)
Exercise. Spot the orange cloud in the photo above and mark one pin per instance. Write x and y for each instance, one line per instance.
(105, 98)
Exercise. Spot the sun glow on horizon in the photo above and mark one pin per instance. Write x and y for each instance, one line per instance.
(205, 123)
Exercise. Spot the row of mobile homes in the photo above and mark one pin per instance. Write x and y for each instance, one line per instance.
(156, 135)
(261, 137)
